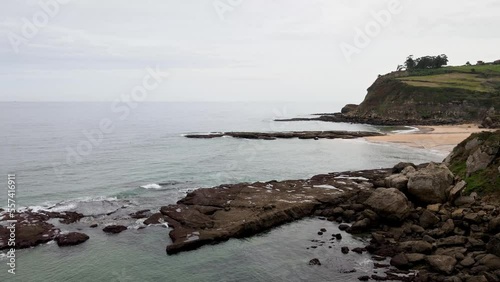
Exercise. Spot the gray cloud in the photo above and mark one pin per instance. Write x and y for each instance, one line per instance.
(262, 50)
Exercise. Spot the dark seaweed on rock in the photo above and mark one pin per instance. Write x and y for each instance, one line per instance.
(288, 135)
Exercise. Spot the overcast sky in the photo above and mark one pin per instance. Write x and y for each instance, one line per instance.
(231, 50)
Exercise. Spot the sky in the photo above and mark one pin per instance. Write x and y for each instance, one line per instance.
(230, 50)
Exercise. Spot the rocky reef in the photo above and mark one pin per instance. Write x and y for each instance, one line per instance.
(351, 117)
(32, 229)
(418, 216)
(429, 222)
(208, 216)
(288, 135)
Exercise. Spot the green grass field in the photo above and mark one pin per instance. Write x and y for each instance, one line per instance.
(480, 69)
(484, 78)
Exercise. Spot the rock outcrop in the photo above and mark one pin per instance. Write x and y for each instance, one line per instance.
(288, 135)
(477, 161)
(208, 216)
(430, 185)
(389, 203)
(71, 239)
(32, 228)
(114, 229)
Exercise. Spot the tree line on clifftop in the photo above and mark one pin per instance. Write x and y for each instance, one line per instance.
(426, 62)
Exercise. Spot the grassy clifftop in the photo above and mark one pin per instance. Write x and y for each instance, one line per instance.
(484, 78)
(463, 93)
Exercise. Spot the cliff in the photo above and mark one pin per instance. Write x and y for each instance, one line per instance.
(449, 95)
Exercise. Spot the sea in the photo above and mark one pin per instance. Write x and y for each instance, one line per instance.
(107, 160)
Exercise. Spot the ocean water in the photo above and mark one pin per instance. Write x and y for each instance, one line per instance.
(97, 158)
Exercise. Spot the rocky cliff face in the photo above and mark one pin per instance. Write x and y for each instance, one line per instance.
(477, 160)
(391, 98)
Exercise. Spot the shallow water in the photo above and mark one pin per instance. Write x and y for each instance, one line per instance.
(139, 255)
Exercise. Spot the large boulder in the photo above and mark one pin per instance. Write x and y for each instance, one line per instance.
(401, 166)
(429, 185)
(494, 225)
(493, 246)
(481, 158)
(416, 247)
(442, 263)
(428, 219)
(71, 239)
(398, 181)
(390, 203)
(490, 261)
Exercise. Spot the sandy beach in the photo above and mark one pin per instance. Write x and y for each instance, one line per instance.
(442, 137)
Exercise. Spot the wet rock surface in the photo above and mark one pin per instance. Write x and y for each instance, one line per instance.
(208, 216)
(114, 229)
(32, 228)
(288, 135)
(71, 239)
(350, 118)
(426, 242)
(454, 240)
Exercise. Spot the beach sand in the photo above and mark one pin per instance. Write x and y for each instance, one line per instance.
(442, 137)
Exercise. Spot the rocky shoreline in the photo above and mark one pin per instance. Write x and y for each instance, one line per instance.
(420, 218)
(288, 135)
(434, 230)
(416, 215)
(346, 118)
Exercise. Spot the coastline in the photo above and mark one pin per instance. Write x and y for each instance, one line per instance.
(440, 137)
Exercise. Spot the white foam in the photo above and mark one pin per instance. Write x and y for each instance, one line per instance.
(64, 207)
(67, 205)
(151, 186)
(328, 187)
(352, 177)
(410, 129)
(325, 186)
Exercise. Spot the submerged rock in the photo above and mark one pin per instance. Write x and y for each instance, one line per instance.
(314, 261)
(114, 229)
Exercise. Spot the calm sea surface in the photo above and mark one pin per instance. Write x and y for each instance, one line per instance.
(95, 158)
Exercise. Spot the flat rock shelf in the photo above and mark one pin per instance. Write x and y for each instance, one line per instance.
(288, 135)
(208, 216)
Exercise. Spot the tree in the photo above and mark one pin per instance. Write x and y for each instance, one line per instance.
(410, 63)
(427, 62)
(441, 60)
